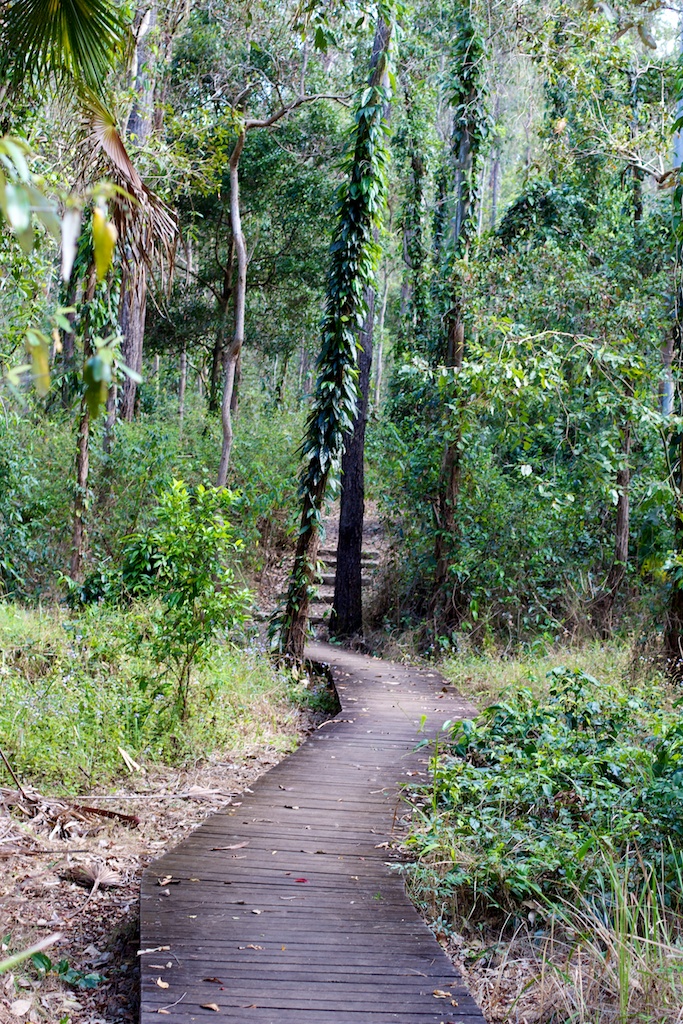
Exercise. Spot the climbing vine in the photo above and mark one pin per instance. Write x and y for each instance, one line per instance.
(353, 259)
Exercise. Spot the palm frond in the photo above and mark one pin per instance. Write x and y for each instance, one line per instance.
(147, 228)
(64, 39)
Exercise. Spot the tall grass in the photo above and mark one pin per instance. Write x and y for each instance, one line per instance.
(618, 957)
(71, 695)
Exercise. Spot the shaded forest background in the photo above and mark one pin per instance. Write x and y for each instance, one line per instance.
(556, 418)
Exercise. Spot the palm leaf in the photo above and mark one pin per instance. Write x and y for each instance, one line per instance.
(145, 224)
(65, 39)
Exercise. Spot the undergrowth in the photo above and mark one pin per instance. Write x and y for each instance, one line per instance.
(558, 814)
(72, 694)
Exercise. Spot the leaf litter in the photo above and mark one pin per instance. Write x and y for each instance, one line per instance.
(54, 847)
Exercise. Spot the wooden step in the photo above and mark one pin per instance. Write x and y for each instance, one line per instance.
(330, 554)
(329, 578)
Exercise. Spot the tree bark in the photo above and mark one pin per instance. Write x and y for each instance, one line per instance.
(495, 187)
(673, 633)
(380, 343)
(68, 341)
(617, 572)
(78, 536)
(347, 609)
(233, 351)
(110, 422)
(446, 600)
(218, 353)
(133, 307)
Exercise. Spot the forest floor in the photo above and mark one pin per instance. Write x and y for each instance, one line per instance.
(50, 854)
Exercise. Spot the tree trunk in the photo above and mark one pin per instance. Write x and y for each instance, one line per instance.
(133, 307)
(380, 343)
(132, 322)
(673, 634)
(235, 400)
(233, 351)
(68, 341)
(446, 599)
(617, 572)
(347, 609)
(78, 536)
(280, 386)
(495, 187)
(218, 353)
(182, 387)
(110, 422)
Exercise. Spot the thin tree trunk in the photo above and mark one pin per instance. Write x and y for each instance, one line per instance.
(218, 353)
(182, 387)
(68, 341)
(673, 633)
(132, 321)
(617, 572)
(280, 387)
(110, 422)
(380, 343)
(495, 187)
(447, 600)
(78, 537)
(233, 351)
(133, 308)
(347, 609)
(235, 400)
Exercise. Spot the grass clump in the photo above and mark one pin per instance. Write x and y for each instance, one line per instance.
(73, 692)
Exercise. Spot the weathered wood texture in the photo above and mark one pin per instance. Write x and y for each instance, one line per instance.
(286, 910)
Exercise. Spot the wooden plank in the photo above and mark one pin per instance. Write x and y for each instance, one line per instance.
(344, 946)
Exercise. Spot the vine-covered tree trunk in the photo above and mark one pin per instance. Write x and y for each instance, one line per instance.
(347, 608)
(353, 259)
(470, 129)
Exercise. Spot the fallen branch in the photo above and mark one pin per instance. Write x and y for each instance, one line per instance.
(129, 819)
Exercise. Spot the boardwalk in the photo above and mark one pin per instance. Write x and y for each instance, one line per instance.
(285, 910)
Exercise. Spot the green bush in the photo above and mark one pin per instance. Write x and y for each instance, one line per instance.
(184, 560)
(526, 798)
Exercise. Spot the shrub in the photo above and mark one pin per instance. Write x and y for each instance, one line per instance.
(525, 799)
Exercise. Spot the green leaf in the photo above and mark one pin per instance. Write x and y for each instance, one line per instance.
(17, 208)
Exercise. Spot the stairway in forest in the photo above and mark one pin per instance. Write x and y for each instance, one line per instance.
(320, 609)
